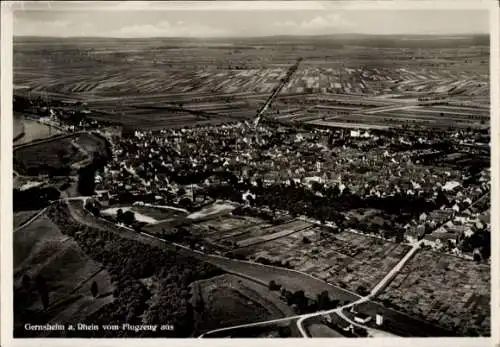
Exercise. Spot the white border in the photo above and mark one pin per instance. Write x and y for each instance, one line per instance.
(495, 171)
(6, 317)
(6, 176)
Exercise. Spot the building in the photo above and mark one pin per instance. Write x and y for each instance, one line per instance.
(362, 318)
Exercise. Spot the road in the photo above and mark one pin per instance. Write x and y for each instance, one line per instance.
(42, 211)
(276, 91)
(379, 287)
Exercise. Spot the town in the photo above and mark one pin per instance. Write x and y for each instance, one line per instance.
(265, 193)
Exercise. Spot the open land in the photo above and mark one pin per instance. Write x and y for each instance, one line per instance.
(350, 260)
(41, 250)
(424, 287)
(219, 301)
(173, 84)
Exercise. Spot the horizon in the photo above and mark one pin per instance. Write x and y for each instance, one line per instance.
(458, 35)
(242, 23)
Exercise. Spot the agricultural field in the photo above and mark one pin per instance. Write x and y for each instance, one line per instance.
(174, 83)
(291, 280)
(228, 300)
(349, 260)
(41, 249)
(231, 232)
(444, 290)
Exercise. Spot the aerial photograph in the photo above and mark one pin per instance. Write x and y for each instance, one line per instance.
(258, 173)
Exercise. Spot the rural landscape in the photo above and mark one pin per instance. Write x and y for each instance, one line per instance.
(276, 186)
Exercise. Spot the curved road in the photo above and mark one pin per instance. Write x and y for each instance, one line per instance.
(379, 287)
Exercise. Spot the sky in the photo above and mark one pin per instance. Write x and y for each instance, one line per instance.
(131, 19)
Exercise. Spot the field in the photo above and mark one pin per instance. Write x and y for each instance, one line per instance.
(174, 83)
(52, 155)
(445, 290)
(160, 214)
(22, 217)
(268, 330)
(47, 156)
(42, 250)
(352, 261)
(231, 232)
(290, 280)
(227, 300)
(321, 330)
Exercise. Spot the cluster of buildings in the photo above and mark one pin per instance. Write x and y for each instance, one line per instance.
(175, 164)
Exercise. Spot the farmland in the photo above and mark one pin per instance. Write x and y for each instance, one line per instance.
(291, 280)
(350, 260)
(280, 207)
(219, 302)
(445, 290)
(42, 251)
(163, 83)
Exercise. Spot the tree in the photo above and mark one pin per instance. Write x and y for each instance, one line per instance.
(86, 180)
(185, 203)
(94, 289)
(119, 215)
(306, 240)
(273, 285)
(316, 186)
(284, 331)
(128, 217)
(323, 300)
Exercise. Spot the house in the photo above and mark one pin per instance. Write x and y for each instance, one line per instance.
(451, 186)
(362, 318)
(422, 217)
(433, 241)
(437, 241)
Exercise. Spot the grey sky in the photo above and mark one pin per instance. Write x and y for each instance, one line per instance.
(133, 21)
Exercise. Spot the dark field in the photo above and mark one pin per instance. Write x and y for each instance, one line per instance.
(42, 250)
(220, 301)
(57, 156)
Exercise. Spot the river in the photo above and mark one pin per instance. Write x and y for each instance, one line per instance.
(27, 130)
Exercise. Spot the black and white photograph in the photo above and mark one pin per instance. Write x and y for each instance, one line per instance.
(265, 171)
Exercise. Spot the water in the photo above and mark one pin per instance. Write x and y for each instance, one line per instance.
(33, 130)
